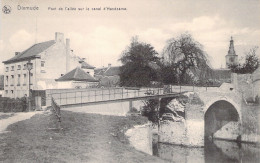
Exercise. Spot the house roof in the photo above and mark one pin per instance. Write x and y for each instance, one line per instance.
(111, 71)
(108, 71)
(77, 74)
(31, 52)
(85, 65)
(221, 74)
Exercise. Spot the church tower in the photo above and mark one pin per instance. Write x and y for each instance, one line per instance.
(231, 57)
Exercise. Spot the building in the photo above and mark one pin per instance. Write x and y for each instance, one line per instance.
(76, 78)
(1, 85)
(50, 60)
(87, 67)
(108, 76)
(231, 57)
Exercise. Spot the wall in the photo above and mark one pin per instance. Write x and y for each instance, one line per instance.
(244, 84)
(250, 123)
(140, 137)
(75, 84)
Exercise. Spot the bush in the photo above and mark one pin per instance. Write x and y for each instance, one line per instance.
(12, 105)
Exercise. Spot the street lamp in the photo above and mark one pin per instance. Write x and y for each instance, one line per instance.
(29, 67)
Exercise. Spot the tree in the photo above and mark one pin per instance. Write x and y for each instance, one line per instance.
(136, 70)
(186, 57)
(249, 66)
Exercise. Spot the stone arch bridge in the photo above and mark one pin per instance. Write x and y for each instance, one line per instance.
(208, 114)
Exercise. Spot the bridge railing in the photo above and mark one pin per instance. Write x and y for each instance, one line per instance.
(80, 96)
(97, 95)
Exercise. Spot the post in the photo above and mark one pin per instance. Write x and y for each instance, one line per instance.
(109, 93)
(158, 112)
(130, 105)
(81, 97)
(75, 98)
(66, 98)
(102, 93)
(95, 95)
(30, 104)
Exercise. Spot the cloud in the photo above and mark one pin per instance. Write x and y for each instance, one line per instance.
(101, 46)
(2, 45)
(21, 39)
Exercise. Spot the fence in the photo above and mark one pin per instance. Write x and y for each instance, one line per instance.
(80, 96)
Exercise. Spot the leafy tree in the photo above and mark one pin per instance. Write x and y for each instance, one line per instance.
(185, 57)
(136, 70)
(249, 66)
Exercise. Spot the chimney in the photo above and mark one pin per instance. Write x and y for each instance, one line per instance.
(67, 55)
(59, 37)
(17, 53)
(109, 65)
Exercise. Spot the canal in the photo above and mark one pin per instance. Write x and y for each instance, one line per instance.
(218, 151)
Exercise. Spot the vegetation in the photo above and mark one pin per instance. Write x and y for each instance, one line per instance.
(150, 110)
(182, 57)
(249, 66)
(136, 70)
(84, 138)
(12, 105)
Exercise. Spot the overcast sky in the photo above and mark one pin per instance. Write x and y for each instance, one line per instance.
(101, 36)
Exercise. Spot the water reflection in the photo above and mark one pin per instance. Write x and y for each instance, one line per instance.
(218, 151)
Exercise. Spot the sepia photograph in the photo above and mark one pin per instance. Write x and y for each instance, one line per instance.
(129, 81)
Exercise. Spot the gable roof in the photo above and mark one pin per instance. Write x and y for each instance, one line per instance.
(31, 52)
(77, 74)
(111, 71)
(108, 71)
(224, 74)
(85, 65)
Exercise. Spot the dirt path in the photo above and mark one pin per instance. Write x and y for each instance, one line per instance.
(4, 123)
(85, 138)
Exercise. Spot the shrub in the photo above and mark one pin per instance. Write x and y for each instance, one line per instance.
(12, 105)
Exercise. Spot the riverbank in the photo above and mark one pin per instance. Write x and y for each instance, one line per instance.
(85, 138)
(7, 119)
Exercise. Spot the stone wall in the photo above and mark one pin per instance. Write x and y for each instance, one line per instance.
(140, 137)
(250, 123)
(243, 83)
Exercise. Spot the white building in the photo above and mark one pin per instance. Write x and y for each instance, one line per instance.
(76, 78)
(50, 59)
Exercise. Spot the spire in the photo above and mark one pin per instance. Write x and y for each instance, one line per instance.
(231, 50)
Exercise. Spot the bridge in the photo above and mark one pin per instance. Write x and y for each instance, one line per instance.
(211, 112)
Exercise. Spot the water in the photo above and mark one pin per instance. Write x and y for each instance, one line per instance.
(218, 151)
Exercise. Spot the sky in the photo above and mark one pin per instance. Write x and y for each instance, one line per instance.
(101, 36)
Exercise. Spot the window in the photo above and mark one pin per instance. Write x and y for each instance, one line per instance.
(6, 69)
(12, 80)
(18, 79)
(24, 66)
(31, 80)
(231, 59)
(12, 91)
(12, 68)
(6, 92)
(19, 67)
(42, 63)
(24, 79)
(6, 80)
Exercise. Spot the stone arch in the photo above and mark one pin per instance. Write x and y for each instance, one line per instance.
(231, 101)
(222, 119)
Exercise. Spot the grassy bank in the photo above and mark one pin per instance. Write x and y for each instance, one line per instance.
(85, 138)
